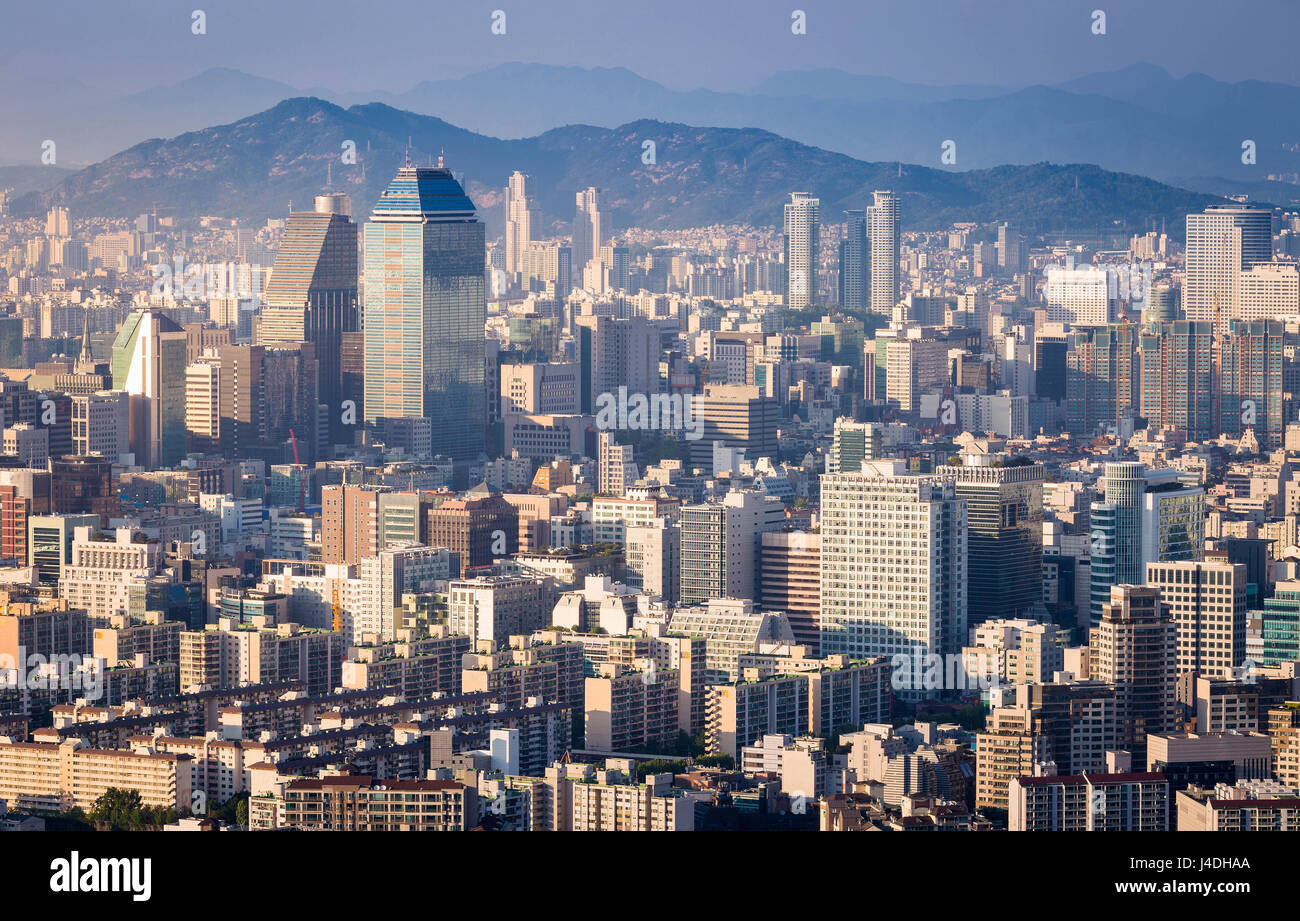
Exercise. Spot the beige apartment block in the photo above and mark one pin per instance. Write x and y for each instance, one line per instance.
(59, 776)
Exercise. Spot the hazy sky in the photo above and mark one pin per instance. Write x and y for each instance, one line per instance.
(393, 44)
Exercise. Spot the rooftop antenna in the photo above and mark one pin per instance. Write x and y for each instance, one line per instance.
(441, 152)
(408, 151)
(329, 181)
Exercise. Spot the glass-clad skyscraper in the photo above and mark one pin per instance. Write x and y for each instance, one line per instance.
(312, 296)
(855, 261)
(424, 311)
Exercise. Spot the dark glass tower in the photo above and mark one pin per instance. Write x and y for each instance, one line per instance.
(424, 311)
(1004, 538)
(312, 297)
(855, 262)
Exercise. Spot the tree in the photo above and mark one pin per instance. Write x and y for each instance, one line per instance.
(118, 809)
(241, 812)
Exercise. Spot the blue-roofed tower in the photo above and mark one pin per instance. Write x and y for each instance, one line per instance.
(424, 311)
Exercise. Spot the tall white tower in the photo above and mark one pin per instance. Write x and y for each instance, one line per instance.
(802, 248)
(884, 253)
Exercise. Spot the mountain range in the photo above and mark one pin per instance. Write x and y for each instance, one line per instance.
(256, 166)
(1184, 130)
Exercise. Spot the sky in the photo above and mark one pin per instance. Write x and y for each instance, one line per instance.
(728, 45)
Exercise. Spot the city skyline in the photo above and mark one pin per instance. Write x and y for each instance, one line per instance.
(554, 449)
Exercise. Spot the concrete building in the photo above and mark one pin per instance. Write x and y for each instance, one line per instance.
(1207, 601)
(893, 563)
(1089, 802)
(790, 581)
(1134, 647)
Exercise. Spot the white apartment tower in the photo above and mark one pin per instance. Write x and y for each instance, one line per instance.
(587, 236)
(883, 220)
(802, 249)
(893, 563)
(523, 219)
(1222, 241)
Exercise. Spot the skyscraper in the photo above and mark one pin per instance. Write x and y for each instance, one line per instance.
(802, 247)
(855, 261)
(149, 364)
(1148, 516)
(1222, 241)
(1207, 601)
(1134, 647)
(1250, 381)
(523, 219)
(1011, 250)
(425, 310)
(1078, 296)
(1101, 377)
(1004, 518)
(893, 563)
(720, 545)
(1178, 387)
(312, 295)
(884, 221)
(587, 231)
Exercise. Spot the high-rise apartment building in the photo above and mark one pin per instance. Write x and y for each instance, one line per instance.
(523, 220)
(884, 219)
(1178, 382)
(802, 249)
(1134, 647)
(1101, 378)
(1250, 381)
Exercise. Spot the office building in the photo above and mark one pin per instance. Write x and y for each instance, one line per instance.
(312, 295)
(720, 545)
(425, 310)
(1207, 601)
(1223, 241)
(1004, 536)
(1134, 646)
(149, 358)
(893, 563)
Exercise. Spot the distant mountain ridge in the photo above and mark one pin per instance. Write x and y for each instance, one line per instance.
(254, 167)
(1139, 119)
